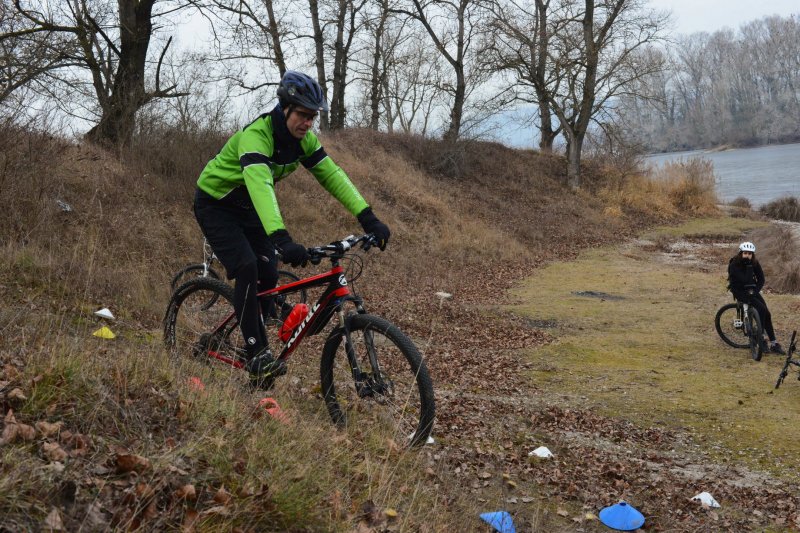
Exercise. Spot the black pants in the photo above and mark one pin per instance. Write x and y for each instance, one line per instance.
(763, 312)
(239, 240)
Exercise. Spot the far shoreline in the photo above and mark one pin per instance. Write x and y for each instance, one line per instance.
(721, 148)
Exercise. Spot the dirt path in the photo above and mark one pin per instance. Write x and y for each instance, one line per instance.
(636, 397)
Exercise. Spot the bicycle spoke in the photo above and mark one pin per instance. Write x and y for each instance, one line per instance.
(389, 398)
(194, 325)
(731, 327)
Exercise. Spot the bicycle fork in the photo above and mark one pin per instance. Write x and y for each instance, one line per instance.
(742, 320)
(367, 384)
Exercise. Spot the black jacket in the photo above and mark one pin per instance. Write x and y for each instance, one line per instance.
(741, 273)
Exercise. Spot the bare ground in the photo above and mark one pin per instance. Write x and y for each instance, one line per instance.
(492, 413)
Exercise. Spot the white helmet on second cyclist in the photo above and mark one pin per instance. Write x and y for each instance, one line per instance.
(747, 247)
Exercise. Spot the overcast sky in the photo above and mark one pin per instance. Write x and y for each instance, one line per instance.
(690, 16)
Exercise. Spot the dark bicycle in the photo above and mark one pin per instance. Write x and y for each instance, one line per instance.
(739, 325)
(789, 361)
(370, 372)
(206, 269)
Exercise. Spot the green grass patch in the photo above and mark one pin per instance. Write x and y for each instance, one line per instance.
(713, 227)
(652, 356)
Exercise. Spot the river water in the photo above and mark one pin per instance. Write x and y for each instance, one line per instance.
(759, 174)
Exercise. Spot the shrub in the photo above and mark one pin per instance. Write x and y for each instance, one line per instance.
(742, 202)
(779, 253)
(691, 185)
(683, 187)
(786, 208)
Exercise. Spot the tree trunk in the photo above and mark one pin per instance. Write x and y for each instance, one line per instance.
(276, 39)
(319, 58)
(546, 133)
(339, 68)
(127, 95)
(387, 104)
(377, 76)
(574, 148)
(457, 111)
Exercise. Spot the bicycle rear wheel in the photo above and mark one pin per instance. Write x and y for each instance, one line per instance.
(730, 326)
(392, 395)
(192, 323)
(190, 272)
(756, 334)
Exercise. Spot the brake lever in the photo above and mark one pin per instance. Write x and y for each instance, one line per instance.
(368, 243)
(315, 256)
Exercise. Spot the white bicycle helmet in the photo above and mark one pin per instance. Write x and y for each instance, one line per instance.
(747, 247)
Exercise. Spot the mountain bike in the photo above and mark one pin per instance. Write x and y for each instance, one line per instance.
(789, 361)
(739, 325)
(206, 269)
(370, 372)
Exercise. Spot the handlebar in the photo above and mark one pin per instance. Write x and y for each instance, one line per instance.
(337, 249)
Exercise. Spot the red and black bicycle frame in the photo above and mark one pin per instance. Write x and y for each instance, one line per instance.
(318, 316)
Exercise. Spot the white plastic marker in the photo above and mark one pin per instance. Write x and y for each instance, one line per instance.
(541, 451)
(105, 313)
(706, 499)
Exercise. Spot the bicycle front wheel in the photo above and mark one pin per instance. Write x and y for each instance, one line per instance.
(756, 334)
(193, 324)
(730, 326)
(392, 396)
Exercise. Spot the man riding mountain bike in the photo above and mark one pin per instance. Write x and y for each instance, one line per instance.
(237, 210)
(744, 271)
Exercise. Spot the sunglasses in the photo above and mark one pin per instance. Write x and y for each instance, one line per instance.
(307, 117)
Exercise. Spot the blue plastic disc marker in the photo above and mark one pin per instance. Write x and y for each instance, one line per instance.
(499, 520)
(622, 517)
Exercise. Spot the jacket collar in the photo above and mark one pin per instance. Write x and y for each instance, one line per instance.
(280, 130)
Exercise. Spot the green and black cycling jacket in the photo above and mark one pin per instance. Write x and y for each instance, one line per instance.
(263, 153)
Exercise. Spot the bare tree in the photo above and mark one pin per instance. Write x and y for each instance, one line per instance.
(379, 50)
(413, 84)
(346, 25)
(453, 26)
(27, 58)
(319, 54)
(520, 45)
(730, 87)
(334, 27)
(255, 32)
(112, 47)
(598, 52)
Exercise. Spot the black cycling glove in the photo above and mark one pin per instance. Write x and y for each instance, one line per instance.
(371, 224)
(291, 252)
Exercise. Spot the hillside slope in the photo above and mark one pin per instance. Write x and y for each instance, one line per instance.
(84, 229)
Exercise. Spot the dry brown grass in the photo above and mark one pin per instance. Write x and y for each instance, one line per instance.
(786, 208)
(130, 227)
(742, 202)
(676, 189)
(778, 250)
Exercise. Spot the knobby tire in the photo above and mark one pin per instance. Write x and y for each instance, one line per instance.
(190, 320)
(723, 322)
(401, 403)
(756, 334)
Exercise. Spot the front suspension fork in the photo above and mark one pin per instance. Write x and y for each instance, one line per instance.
(366, 383)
